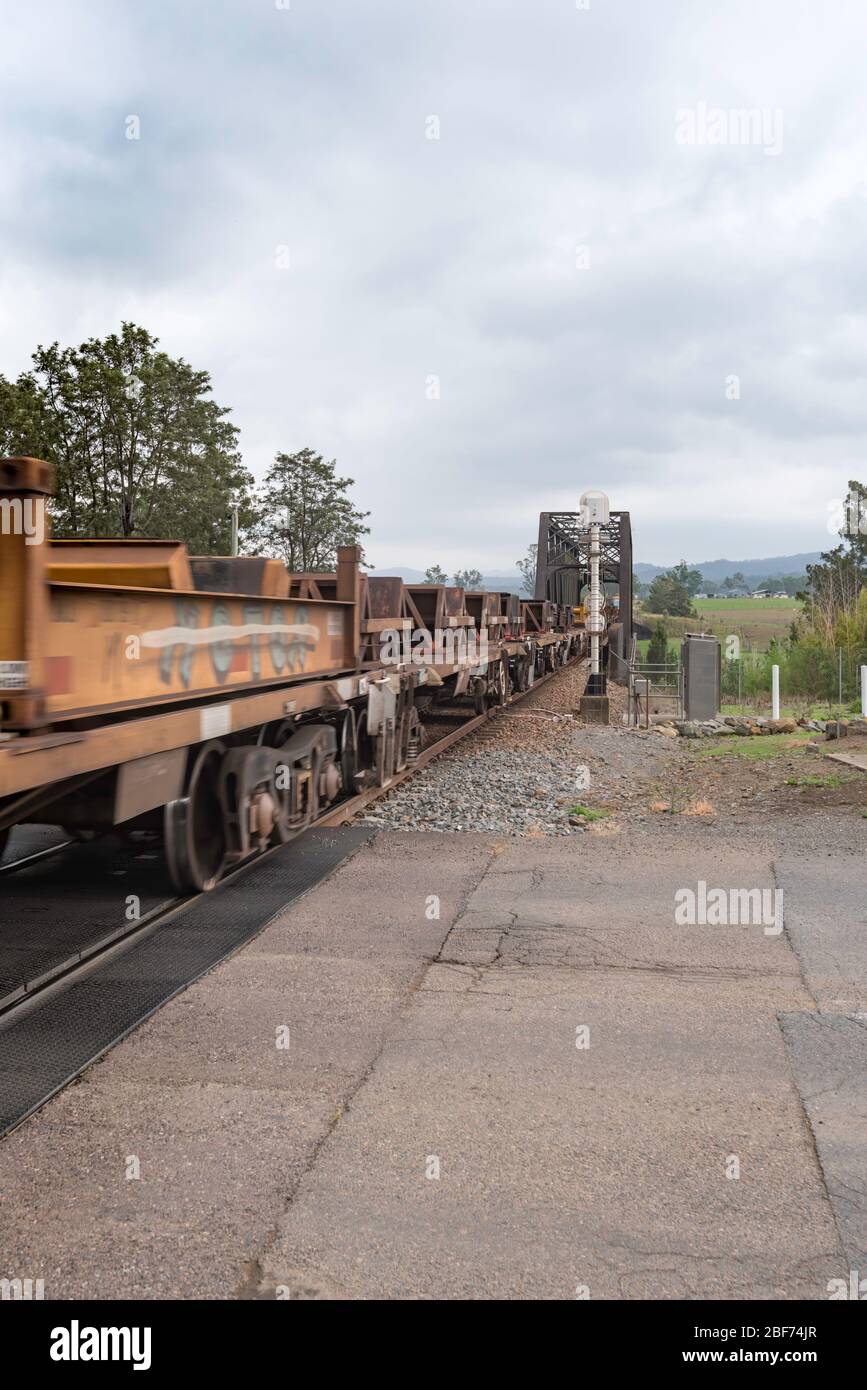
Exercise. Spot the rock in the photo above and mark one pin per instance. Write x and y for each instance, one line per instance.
(667, 729)
(836, 729)
(687, 728)
(781, 726)
(739, 723)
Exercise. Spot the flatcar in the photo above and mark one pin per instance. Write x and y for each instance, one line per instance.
(223, 700)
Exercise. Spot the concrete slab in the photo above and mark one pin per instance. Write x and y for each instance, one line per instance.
(510, 1073)
(222, 1121)
(826, 920)
(825, 909)
(829, 1057)
(858, 760)
(561, 1166)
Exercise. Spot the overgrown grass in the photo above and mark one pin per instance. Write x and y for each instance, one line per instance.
(754, 747)
(819, 709)
(832, 780)
(587, 812)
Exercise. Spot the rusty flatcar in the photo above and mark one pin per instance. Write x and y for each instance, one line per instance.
(222, 700)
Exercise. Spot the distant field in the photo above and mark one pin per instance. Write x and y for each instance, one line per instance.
(756, 621)
(747, 605)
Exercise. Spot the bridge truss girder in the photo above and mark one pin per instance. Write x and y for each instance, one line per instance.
(563, 562)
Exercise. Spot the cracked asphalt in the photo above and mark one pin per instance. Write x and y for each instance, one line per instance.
(510, 1074)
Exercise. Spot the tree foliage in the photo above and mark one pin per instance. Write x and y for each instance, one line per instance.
(657, 647)
(668, 595)
(467, 579)
(306, 513)
(735, 581)
(138, 446)
(835, 583)
(527, 569)
(830, 640)
(434, 574)
(691, 579)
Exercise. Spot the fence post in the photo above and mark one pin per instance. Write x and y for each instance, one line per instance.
(864, 691)
(775, 692)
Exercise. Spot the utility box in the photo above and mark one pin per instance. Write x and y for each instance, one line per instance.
(702, 664)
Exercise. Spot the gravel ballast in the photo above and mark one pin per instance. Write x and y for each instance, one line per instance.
(536, 770)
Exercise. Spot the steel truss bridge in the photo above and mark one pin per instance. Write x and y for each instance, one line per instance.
(563, 565)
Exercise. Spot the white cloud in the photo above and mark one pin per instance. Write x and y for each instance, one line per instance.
(409, 257)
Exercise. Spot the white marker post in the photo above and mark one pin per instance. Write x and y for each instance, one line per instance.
(595, 514)
(775, 692)
(864, 691)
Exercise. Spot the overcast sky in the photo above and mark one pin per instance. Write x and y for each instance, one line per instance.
(609, 280)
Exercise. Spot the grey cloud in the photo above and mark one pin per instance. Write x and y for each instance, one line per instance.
(457, 257)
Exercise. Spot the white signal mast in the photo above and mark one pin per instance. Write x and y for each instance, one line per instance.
(595, 512)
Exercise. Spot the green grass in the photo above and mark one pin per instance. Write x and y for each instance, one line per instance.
(742, 605)
(587, 812)
(673, 648)
(754, 747)
(830, 781)
(756, 621)
(818, 710)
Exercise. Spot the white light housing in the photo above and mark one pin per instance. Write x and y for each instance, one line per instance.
(595, 508)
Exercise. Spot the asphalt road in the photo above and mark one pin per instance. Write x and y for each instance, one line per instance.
(465, 1067)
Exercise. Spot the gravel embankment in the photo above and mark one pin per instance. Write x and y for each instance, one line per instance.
(522, 773)
(525, 771)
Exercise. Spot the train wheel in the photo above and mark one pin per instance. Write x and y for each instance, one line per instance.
(348, 745)
(500, 685)
(364, 753)
(276, 734)
(195, 837)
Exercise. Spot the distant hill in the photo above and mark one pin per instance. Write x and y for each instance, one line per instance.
(774, 565)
